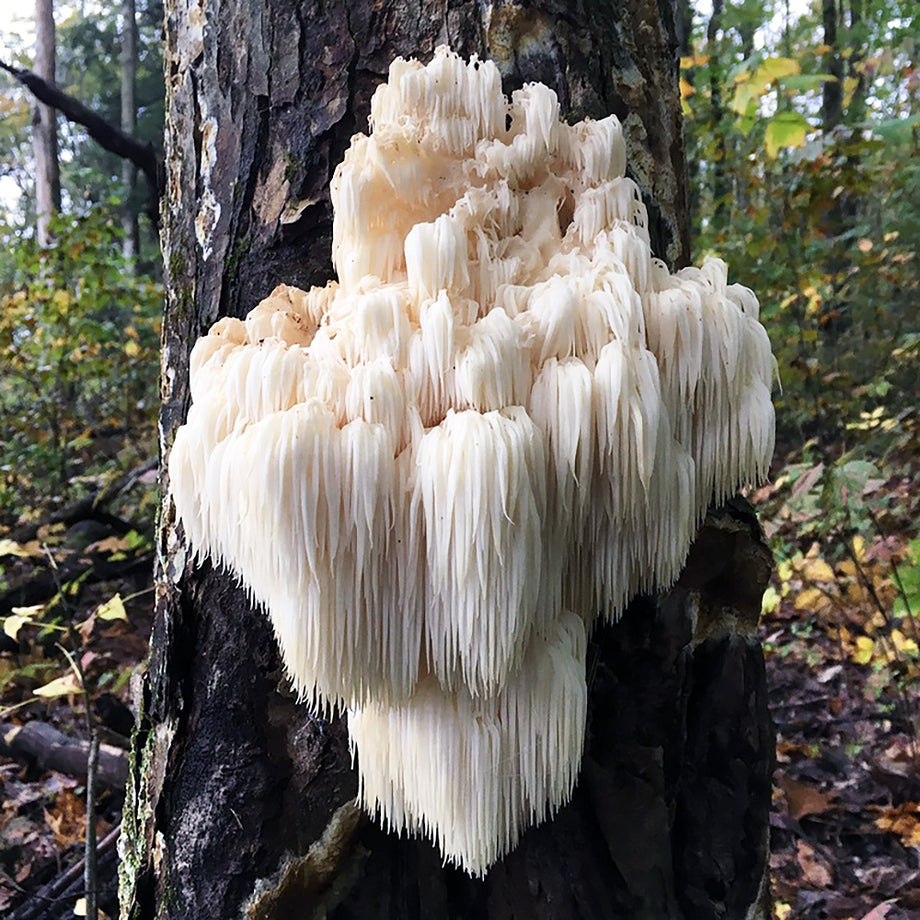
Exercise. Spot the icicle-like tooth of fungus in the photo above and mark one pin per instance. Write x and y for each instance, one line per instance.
(619, 305)
(716, 273)
(431, 355)
(611, 403)
(597, 150)
(483, 531)
(186, 484)
(375, 394)
(436, 258)
(206, 365)
(551, 315)
(493, 368)
(472, 773)
(745, 299)
(561, 407)
(272, 318)
(646, 404)
(626, 245)
(758, 356)
(381, 325)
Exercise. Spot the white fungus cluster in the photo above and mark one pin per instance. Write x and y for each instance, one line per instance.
(505, 420)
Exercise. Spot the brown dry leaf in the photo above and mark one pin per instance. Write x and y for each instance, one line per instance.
(802, 799)
(67, 818)
(109, 545)
(903, 820)
(816, 871)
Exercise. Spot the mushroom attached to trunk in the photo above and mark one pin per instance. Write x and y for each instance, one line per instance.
(505, 420)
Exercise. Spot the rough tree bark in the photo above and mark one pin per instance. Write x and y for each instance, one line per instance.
(44, 128)
(240, 801)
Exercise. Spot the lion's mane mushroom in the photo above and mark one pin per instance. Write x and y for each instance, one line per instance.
(505, 420)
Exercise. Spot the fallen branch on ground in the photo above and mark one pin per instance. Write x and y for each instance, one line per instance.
(42, 744)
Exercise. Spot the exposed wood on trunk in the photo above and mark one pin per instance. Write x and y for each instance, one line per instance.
(241, 796)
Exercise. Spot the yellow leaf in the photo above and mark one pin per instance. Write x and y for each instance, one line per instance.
(864, 649)
(60, 686)
(782, 910)
(79, 910)
(686, 89)
(23, 550)
(696, 60)
(774, 68)
(818, 570)
(810, 599)
(29, 612)
(13, 623)
(900, 642)
(113, 609)
(784, 570)
(849, 87)
(770, 601)
(859, 548)
(132, 349)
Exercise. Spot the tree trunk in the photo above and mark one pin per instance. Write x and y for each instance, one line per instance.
(44, 128)
(129, 126)
(240, 801)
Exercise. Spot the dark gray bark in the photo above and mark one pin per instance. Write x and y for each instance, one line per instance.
(240, 802)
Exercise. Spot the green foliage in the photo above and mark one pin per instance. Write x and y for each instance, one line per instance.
(88, 68)
(78, 342)
(818, 209)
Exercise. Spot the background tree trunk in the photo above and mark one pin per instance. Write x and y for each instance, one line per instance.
(240, 801)
(44, 127)
(129, 126)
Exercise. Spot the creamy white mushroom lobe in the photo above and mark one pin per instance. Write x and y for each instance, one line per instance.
(505, 420)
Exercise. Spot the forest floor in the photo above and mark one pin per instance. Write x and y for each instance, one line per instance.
(843, 665)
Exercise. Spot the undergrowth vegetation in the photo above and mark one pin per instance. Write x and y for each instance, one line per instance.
(79, 334)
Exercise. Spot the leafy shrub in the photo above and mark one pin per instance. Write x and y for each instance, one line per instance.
(78, 363)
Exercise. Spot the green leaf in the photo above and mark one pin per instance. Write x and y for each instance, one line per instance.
(806, 81)
(787, 129)
(897, 130)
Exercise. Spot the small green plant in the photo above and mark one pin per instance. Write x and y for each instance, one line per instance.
(78, 375)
